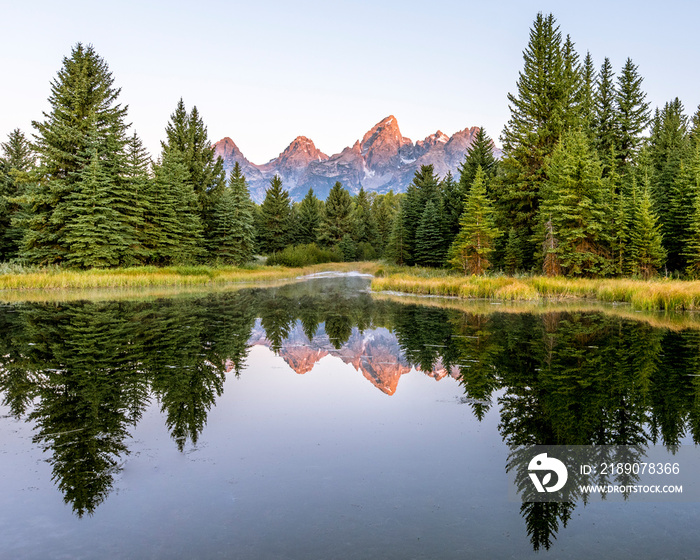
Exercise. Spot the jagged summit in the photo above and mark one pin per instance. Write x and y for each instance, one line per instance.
(383, 159)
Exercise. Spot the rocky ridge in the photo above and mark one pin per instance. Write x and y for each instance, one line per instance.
(383, 160)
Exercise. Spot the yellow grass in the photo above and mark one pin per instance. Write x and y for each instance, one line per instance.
(656, 319)
(15, 286)
(668, 295)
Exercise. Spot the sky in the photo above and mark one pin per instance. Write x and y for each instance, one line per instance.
(265, 72)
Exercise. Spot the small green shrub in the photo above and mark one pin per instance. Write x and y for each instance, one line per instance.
(303, 255)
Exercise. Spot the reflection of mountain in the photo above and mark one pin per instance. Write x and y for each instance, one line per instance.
(373, 352)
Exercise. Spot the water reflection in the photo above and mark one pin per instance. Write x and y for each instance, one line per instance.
(84, 372)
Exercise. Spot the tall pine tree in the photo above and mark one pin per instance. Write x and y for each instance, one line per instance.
(233, 235)
(16, 163)
(541, 111)
(471, 250)
(85, 122)
(275, 218)
(336, 221)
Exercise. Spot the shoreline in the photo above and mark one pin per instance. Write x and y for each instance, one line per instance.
(56, 283)
(646, 295)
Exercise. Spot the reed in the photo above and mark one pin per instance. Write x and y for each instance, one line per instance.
(53, 278)
(667, 295)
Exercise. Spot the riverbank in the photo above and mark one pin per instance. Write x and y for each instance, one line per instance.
(661, 294)
(55, 278)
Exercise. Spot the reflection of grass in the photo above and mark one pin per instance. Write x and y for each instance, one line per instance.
(656, 319)
(17, 283)
(648, 295)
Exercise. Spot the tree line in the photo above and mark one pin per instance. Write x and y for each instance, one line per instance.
(591, 183)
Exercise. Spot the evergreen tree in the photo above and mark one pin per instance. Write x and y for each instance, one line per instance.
(384, 210)
(84, 118)
(587, 93)
(364, 228)
(348, 248)
(275, 218)
(620, 217)
(91, 230)
(689, 184)
(453, 206)
(473, 246)
(694, 133)
(424, 188)
(647, 252)
(337, 219)
(669, 146)
(430, 241)
(479, 154)
(632, 113)
(137, 174)
(172, 228)
(16, 163)
(397, 247)
(187, 135)
(605, 117)
(574, 209)
(543, 108)
(512, 254)
(309, 218)
(233, 234)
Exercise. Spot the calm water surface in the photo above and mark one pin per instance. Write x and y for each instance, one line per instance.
(314, 422)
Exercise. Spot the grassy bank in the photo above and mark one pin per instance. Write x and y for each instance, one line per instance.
(669, 295)
(15, 279)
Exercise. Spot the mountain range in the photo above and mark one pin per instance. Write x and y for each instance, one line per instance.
(383, 160)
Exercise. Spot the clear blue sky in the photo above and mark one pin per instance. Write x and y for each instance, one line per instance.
(265, 72)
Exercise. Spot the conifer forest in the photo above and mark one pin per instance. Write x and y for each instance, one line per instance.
(593, 182)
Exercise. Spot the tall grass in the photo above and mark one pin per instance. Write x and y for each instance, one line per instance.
(668, 295)
(53, 278)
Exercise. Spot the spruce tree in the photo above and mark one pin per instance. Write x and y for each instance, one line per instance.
(430, 242)
(187, 135)
(275, 218)
(336, 221)
(647, 254)
(16, 163)
(364, 228)
(471, 250)
(688, 183)
(424, 187)
(397, 247)
(91, 231)
(453, 205)
(575, 210)
(668, 147)
(541, 111)
(137, 175)
(84, 118)
(173, 231)
(309, 218)
(605, 117)
(587, 94)
(233, 235)
(384, 210)
(632, 113)
(479, 154)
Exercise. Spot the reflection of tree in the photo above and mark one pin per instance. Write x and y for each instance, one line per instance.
(562, 378)
(82, 415)
(16, 374)
(424, 334)
(277, 315)
(476, 349)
